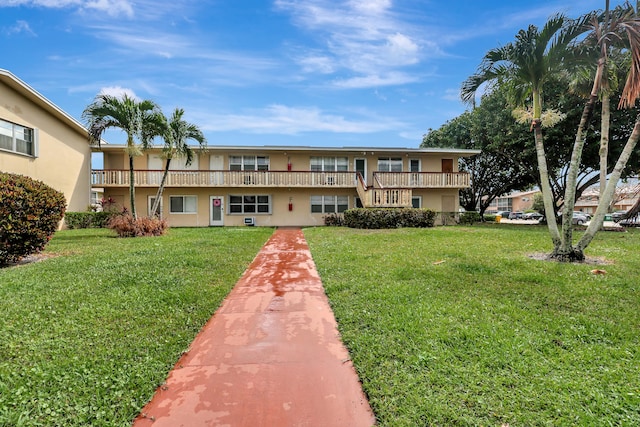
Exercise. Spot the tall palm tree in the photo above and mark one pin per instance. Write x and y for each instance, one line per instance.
(620, 27)
(176, 137)
(526, 64)
(140, 120)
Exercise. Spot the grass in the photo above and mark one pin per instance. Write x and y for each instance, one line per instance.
(87, 335)
(457, 326)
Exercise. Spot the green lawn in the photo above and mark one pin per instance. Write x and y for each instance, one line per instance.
(457, 326)
(87, 335)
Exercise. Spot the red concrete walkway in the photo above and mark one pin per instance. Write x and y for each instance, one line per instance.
(270, 356)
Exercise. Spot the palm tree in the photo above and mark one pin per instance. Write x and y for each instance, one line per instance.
(526, 64)
(141, 120)
(622, 27)
(176, 137)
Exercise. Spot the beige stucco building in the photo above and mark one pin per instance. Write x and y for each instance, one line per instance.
(279, 186)
(39, 140)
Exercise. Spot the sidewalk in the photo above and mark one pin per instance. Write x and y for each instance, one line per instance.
(270, 356)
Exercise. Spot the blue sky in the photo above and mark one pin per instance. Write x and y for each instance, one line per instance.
(375, 73)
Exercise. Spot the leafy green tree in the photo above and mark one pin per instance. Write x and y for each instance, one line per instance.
(140, 120)
(176, 144)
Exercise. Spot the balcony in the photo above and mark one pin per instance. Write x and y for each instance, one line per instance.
(422, 179)
(152, 178)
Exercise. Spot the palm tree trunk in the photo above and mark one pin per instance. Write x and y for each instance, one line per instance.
(605, 201)
(156, 202)
(566, 251)
(547, 193)
(132, 188)
(604, 141)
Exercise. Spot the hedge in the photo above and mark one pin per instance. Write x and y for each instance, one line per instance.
(389, 218)
(87, 219)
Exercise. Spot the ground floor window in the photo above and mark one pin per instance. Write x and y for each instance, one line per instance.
(329, 204)
(416, 202)
(158, 212)
(183, 204)
(250, 204)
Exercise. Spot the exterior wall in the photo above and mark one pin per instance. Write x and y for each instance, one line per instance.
(280, 159)
(64, 156)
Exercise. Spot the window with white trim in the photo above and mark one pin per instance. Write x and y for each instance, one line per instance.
(151, 201)
(18, 139)
(329, 164)
(329, 204)
(416, 202)
(249, 204)
(249, 163)
(390, 164)
(183, 204)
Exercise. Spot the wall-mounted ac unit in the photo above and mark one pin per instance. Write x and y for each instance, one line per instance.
(250, 221)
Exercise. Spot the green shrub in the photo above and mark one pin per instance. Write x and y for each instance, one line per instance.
(489, 218)
(470, 217)
(334, 219)
(126, 226)
(30, 212)
(389, 218)
(88, 219)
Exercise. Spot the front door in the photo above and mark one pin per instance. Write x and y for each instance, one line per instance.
(216, 205)
(447, 165)
(361, 167)
(414, 168)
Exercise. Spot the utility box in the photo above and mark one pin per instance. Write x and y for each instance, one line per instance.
(249, 221)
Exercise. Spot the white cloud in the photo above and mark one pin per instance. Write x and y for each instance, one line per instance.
(365, 37)
(281, 119)
(20, 27)
(110, 7)
(118, 92)
(360, 82)
(451, 95)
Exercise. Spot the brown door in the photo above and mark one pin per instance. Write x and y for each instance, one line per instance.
(447, 165)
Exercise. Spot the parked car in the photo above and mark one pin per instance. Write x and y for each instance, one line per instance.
(617, 215)
(579, 218)
(634, 221)
(533, 215)
(504, 214)
(516, 215)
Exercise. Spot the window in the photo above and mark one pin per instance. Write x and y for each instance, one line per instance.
(329, 204)
(416, 202)
(249, 163)
(158, 213)
(250, 204)
(390, 164)
(329, 164)
(18, 139)
(183, 204)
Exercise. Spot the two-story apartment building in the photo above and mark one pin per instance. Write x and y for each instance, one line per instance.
(39, 140)
(278, 186)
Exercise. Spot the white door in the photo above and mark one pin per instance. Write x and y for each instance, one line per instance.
(216, 206)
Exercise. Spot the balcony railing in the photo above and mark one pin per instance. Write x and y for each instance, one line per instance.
(383, 197)
(423, 179)
(152, 178)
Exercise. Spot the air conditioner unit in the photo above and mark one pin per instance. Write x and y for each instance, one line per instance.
(250, 221)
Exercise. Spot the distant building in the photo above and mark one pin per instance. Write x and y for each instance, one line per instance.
(520, 201)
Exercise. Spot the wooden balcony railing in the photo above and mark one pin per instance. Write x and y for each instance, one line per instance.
(383, 197)
(423, 179)
(152, 178)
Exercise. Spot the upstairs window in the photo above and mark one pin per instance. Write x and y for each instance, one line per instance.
(390, 164)
(249, 163)
(18, 139)
(329, 164)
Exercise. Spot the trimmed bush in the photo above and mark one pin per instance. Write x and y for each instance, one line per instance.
(126, 226)
(470, 217)
(388, 218)
(87, 219)
(30, 212)
(334, 219)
